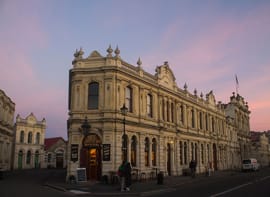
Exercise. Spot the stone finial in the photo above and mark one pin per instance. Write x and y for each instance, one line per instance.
(201, 95)
(76, 54)
(185, 87)
(195, 92)
(166, 63)
(139, 62)
(109, 50)
(117, 51)
(80, 53)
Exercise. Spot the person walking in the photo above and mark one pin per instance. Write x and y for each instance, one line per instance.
(128, 176)
(121, 174)
(192, 166)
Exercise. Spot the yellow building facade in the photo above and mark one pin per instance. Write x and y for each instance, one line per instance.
(29, 142)
(7, 109)
(166, 126)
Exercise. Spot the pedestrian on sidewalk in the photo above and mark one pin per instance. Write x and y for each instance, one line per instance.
(121, 174)
(192, 166)
(128, 176)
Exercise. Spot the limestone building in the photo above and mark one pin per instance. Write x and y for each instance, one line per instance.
(29, 142)
(166, 126)
(260, 148)
(7, 109)
(55, 152)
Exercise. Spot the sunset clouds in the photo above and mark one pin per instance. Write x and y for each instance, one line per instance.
(206, 44)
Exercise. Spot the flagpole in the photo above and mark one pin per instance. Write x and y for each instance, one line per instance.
(236, 84)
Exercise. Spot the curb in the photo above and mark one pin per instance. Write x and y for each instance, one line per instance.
(55, 187)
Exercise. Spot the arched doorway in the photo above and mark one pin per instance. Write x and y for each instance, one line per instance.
(169, 159)
(37, 159)
(215, 156)
(59, 159)
(91, 156)
(20, 159)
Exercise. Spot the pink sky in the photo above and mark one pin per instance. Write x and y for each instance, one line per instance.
(205, 45)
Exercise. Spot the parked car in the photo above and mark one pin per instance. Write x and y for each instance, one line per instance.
(250, 164)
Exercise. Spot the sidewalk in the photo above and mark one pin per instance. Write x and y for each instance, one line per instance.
(148, 187)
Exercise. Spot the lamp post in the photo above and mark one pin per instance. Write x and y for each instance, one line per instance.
(85, 127)
(124, 110)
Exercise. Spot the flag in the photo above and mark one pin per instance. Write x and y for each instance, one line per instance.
(236, 79)
(237, 84)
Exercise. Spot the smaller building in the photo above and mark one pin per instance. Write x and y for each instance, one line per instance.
(55, 152)
(7, 108)
(29, 142)
(260, 148)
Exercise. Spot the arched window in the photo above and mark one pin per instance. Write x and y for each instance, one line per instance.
(30, 137)
(37, 138)
(192, 118)
(128, 99)
(146, 151)
(201, 120)
(149, 105)
(93, 95)
(213, 124)
(172, 112)
(133, 151)
(202, 153)
(154, 152)
(49, 158)
(28, 157)
(163, 109)
(181, 153)
(185, 152)
(22, 137)
(182, 114)
(168, 111)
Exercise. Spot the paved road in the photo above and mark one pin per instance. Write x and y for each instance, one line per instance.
(29, 183)
(32, 183)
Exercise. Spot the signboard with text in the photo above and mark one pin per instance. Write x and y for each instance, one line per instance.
(106, 152)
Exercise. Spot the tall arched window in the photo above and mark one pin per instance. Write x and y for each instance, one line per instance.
(28, 157)
(181, 152)
(202, 153)
(128, 99)
(213, 124)
(30, 135)
(37, 138)
(172, 112)
(22, 137)
(154, 152)
(185, 152)
(133, 151)
(201, 120)
(182, 114)
(192, 118)
(146, 151)
(206, 122)
(149, 105)
(93, 95)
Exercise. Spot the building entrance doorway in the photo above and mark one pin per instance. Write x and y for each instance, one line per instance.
(91, 156)
(169, 159)
(215, 156)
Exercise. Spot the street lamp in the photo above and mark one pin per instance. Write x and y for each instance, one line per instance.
(86, 127)
(124, 110)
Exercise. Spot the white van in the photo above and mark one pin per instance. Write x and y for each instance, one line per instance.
(250, 164)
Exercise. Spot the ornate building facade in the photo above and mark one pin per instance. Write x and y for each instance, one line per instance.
(7, 109)
(165, 126)
(29, 142)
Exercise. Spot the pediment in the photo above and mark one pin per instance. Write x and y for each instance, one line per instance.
(165, 76)
(94, 54)
(210, 98)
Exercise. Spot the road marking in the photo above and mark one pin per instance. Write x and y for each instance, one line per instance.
(232, 189)
(78, 192)
(240, 186)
